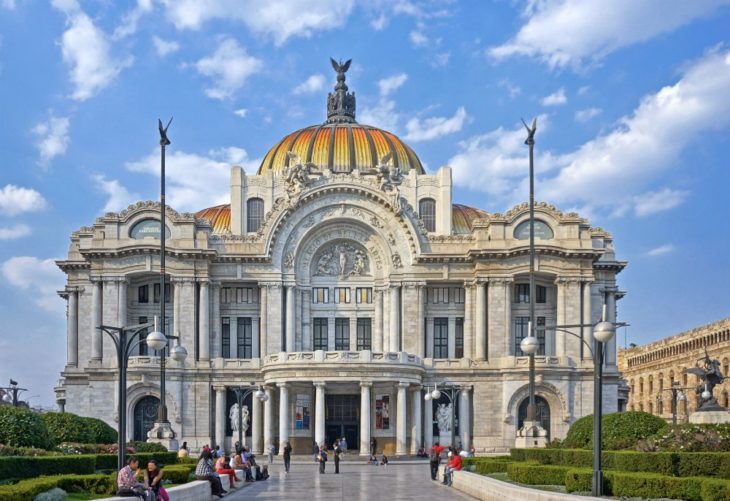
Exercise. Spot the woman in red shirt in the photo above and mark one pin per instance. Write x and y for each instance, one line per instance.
(453, 464)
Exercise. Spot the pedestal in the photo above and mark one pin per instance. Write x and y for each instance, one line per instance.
(531, 436)
(161, 433)
(710, 417)
(445, 439)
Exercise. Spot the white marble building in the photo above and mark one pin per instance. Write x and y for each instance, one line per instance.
(343, 279)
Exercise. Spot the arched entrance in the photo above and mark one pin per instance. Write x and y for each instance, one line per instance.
(542, 413)
(145, 413)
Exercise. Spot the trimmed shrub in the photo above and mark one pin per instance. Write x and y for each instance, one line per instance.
(6, 450)
(177, 474)
(653, 485)
(29, 467)
(690, 438)
(77, 448)
(21, 427)
(67, 427)
(701, 464)
(101, 431)
(487, 465)
(537, 474)
(29, 489)
(715, 490)
(147, 446)
(109, 461)
(581, 480)
(621, 430)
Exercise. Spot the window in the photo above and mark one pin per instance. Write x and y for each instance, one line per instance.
(143, 348)
(321, 295)
(245, 295)
(364, 295)
(143, 294)
(226, 295)
(457, 294)
(244, 341)
(226, 337)
(156, 293)
(440, 338)
(364, 334)
(427, 211)
(541, 292)
(320, 333)
(342, 334)
(459, 338)
(439, 295)
(254, 214)
(522, 331)
(659, 407)
(522, 293)
(342, 295)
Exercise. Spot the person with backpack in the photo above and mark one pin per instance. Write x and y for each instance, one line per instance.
(322, 458)
(434, 458)
(338, 453)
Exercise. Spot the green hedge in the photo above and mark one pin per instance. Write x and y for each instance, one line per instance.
(653, 485)
(29, 467)
(109, 461)
(487, 465)
(177, 474)
(537, 474)
(715, 490)
(21, 427)
(29, 489)
(102, 432)
(621, 430)
(67, 427)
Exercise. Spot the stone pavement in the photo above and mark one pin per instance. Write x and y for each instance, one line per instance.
(356, 481)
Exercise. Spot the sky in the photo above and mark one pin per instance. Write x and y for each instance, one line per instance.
(631, 98)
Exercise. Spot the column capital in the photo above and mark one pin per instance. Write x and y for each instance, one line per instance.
(219, 387)
(319, 384)
(204, 282)
(283, 386)
(568, 280)
(504, 281)
(466, 388)
(403, 384)
(484, 280)
(366, 384)
(416, 387)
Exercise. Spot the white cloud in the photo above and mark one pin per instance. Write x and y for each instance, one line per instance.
(555, 99)
(661, 250)
(131, 19)
(512, 90)
(440, 59)
(314, 83)
(165, 47)
(195, 181)
(389, 85)
(16, 200)
(379, 23)
(435, 127)
(241, 112)
(228, 67)
(40, 278)
(8, 4)
(87, 52)
(382, 115)
(609, 171)
(652, 202)
(52, 138)
(278, 19)
(119, 196)
(418, 39)
(587, 114)
(568, 32)
(15, 231)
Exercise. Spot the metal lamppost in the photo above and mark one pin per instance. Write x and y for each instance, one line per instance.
(678, 395)
(11, 393)
(452, 394)
(241, 394)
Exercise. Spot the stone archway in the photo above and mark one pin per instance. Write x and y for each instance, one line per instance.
(542, 413)
(144, 416)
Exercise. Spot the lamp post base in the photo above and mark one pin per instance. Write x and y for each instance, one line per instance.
(531, 436)
(162, 433)
(597, 483)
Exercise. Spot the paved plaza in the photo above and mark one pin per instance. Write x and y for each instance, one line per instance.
(355, 481)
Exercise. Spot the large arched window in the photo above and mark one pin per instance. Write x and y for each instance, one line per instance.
(427, 211)
(254, 214)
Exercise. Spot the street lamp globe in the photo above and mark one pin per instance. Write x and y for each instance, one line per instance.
(706, 395)
(156, 340)
(179, 354)
(259, 394)
(435, 394)
(265, 397)
(427, 398)
(7, 398)
(529, 345)
(604, 331)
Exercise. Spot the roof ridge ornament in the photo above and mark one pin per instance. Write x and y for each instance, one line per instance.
(340, 103)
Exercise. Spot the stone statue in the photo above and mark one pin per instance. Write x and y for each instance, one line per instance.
(298, 175)
(710, 376)
(164, 141)
(233, 416)
(443, 416)
(389, 180)
(343, 259)
(359, 267)
(324, 265)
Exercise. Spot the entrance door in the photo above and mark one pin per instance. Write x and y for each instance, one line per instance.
(145, 413)
(542, 413)
(342, 419)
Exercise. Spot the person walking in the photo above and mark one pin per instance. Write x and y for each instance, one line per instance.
(373, 446)
(315, 451)
(287, 456)
(338, 453)
(322, 458)
(272, 451)
(434, 458)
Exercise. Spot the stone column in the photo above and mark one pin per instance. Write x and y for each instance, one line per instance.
(298, 320)
(319, 412)
(429, 337)
(378, 327)
(508, 345)
(274, 321)
(72, 329)
(464, 417)
(283, 414)
(416, 421)
(306, 320)
(269, 418)
(122, 311)
(263, 313)
(427, 423)
(587, 332)
(204, 323)
(255, 338)
(215, 322)
(96, 321)
(176, 287)
(401, 427)
(560, 318)
(220, 416)
(480, 322)
(365, 411)
(420, 309)
(497, 323)
(468, 321)
(256, 428)
(394, 318)
(290, 318)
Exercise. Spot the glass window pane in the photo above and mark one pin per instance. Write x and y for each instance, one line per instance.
(427, 212)
(364, 334)
(254, 214)
(342, 334)
(320, 334)
(440, 338)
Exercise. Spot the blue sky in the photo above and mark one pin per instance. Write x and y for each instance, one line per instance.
(632, 100)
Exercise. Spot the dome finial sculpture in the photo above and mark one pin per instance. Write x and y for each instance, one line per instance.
(340, 103)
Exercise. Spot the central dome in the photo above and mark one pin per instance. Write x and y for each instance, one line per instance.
(341, 144)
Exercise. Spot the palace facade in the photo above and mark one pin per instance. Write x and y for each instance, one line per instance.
(651, 370)
(345, 280)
